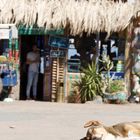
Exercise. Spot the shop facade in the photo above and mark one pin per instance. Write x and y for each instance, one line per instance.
(60, 61)
(59, 68)
(53, 46)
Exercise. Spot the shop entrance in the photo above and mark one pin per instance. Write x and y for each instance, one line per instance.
(25, 46)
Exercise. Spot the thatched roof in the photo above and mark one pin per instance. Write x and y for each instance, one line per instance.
(80, 15)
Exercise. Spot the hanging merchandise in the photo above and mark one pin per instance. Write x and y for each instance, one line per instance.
(16, 51)
(104, 53)
(136, 66)
(10, 48)
(42, 64)
(9, 63)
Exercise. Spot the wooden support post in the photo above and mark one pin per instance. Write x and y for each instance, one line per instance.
(128, 58)
(66, 94)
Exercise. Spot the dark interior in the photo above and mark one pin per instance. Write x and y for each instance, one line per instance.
(26, 45)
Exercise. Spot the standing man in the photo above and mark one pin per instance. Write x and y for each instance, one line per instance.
(32, 60)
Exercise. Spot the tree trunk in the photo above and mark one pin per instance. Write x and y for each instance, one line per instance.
(128, 58)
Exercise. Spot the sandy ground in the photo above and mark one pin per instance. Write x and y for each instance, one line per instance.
(33, 120)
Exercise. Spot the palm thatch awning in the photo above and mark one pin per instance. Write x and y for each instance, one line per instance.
(80, 15)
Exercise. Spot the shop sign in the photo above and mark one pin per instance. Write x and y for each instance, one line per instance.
(115, 75)
(39, 31)
(4, 33)
(57, 53)
(58, 42)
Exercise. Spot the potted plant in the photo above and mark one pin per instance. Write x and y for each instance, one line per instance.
(113, 89)
(90, 83)
(116, 92)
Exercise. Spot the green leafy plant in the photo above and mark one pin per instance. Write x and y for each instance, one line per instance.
(90, 83)
(116, 86)
(107, 66)
(111, 85)
(74, 97)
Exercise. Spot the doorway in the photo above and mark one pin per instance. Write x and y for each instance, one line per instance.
(25, 46)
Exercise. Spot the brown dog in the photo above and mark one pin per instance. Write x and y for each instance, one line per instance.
(121, 131)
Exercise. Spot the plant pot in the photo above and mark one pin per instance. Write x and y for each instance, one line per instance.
(118, 97)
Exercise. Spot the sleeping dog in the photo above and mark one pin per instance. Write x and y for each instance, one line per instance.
(121, 131)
